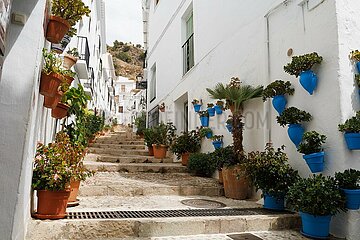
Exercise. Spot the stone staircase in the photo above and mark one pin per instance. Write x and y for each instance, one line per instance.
(127, 179)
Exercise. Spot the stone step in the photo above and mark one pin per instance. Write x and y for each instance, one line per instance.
(157, 227)
(149, 184)
(135, 167)
(118, 152)
(121, 137)
(120, 142)
(132, 159)
(118, 146)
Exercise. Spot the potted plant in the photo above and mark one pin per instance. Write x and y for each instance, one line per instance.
(68, 75)
(149, 140)
(201, 164)
(65, 14)
(301, 66)
(70, 58)
(351, 130)
(140, 123)
(211, 109)
(220, 156)
(355, 56)
(185, 144)
(206, 132)
(270, 172)
(164, 136)
(217, 141)
(317, 198)
(204, 118)
(162, 107)
(293, 117)
(51, 178)
(349, 182)
(277, 90)
(219, 107)
(311, 147)
(52, 102)
(50, 74)
(197, 105)
(229, 125)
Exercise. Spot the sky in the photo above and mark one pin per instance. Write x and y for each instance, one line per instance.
(124, 21)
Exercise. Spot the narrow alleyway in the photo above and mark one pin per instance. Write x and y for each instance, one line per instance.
(129, 180)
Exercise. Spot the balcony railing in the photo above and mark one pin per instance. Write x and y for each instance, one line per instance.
(188, 54)
(83, 48)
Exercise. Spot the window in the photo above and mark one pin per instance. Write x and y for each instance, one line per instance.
(122, 88)
(153, 84)
(188, 46)
(121, 109)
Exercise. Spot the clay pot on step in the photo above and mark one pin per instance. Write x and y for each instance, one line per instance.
(56, 29)
(52, 102)
(159, 151)
(236, 182)
(185, 159)
(60, 111)
(151, 151)
(74, 190)
(49, 84)
(52, 204)
(69, 61)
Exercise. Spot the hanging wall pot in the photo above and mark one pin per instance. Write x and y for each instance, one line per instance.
(308, 80)
(296, 132)
(315, 161)
(279, 102)
(56, 29)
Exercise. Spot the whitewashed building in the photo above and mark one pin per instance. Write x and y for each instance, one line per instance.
(192, 45)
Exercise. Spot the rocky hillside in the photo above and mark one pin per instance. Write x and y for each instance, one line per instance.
(128, 59)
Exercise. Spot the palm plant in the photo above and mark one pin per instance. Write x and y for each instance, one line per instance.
(236, 95)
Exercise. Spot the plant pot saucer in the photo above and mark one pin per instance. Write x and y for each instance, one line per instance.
(73, 204)
(50, 217)
(313, 237)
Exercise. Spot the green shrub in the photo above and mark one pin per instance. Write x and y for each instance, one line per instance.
(164, 134)
(276, 88)
(302, 63)
(188, 142)
(201, 165)
(349, 179)
(311, 143)
(293, 115)
(351, 125)
(126, 48)
(224, 157)
(140, 123)
(123, 56)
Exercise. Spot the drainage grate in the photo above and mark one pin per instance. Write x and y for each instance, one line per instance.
(172, 213)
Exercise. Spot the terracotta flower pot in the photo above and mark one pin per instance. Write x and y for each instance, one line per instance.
(159, 151)
(49, 84)
(69, 61)
(185, 159)
(56, 29)
(236, 183)
(221, 178)
(60, 111)
(151, 151)
(74, 190)
(52, 102)
(52, 204)
(69, 80)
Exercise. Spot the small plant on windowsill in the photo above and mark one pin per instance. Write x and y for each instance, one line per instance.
(349, 182)
(277, 91)
(351, 130)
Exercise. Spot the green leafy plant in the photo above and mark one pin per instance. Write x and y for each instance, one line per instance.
(349, 179)
(164, 134)
(293, 115)
(351, 125)
(204, 131)
(196, 101)
(210, 105)
(224, 157)
(52, 62)
(302, 63)
(217, 138)
(311, 143)
(67, 73)
(317, 195)
(187, 142)
(73, 52)
(278, 87)
(201, 165)
(72, 11)
(355, 55)
(140, 123)
(203, 113)
(149, 137)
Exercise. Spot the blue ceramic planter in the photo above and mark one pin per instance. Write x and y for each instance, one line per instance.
(352, 140)
(197, 107)
(315, 226)
(204, 121)
(358, 66)
(308, 80)
(352, 198)
(279, 102)
(296, 132)
(315, 161)
(217, 144)
(218, 110)
(211, 111)
(274, 203)
(209, 135)
(229, 127)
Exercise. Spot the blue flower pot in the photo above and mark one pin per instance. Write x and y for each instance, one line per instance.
(308, 80)
(204, 121)
(279, 102)
(315, 226)
(217, 144)
(274, 203)
(209, 135)
(352, 140)
(358, 66)
(296, 132)
(229, 127)
(352, 198)
(211, 111)
(315, 161)
(197, 107)
(218, 110)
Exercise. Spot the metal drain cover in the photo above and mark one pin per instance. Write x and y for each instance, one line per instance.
(244, 236)
(203, 203)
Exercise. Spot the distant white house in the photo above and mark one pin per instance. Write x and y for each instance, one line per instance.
(192, 45)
